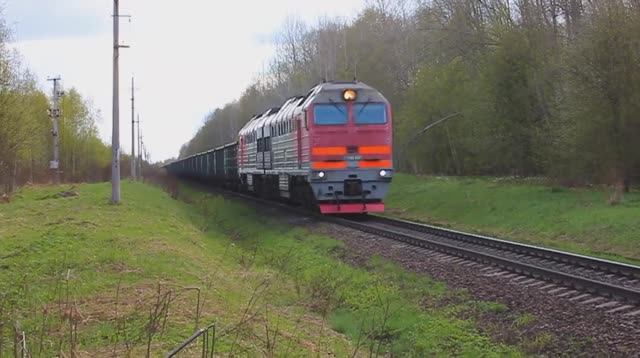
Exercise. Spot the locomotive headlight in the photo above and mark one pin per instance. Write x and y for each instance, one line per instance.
(321, 175)
(349, 95)
(385, 173)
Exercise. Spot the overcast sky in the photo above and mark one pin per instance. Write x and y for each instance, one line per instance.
(188, 56)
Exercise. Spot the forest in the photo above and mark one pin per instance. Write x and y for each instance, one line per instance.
(530, 88)
(26, 141)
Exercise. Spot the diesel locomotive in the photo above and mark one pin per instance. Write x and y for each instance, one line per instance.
(330, 149)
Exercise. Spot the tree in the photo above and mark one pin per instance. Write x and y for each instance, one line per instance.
(541, 87)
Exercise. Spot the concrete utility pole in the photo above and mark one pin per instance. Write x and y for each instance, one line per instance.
(54, 113)
(133, 130)
(143, 153)
(115, 136)
(139, 149)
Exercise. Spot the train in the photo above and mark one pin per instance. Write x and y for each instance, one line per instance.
(330, 150)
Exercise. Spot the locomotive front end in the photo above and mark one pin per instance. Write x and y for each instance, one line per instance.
(350, 126)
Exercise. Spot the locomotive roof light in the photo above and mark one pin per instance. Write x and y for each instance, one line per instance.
(349, 95)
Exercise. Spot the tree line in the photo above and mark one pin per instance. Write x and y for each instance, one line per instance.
(26, 142)
(532, 87)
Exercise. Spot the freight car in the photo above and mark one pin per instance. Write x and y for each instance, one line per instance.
(330, 149)
(218, 166)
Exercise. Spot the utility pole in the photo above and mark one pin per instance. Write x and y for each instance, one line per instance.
(139, 150)
(143, 154)
(133, 130)
(54, 113)
(115, 136)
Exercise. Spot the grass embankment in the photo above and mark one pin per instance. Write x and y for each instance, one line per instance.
(77, 273)
(577, 220)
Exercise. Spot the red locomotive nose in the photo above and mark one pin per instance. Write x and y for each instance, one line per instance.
(353, 127)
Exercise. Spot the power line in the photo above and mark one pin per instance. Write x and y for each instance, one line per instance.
(431, 125)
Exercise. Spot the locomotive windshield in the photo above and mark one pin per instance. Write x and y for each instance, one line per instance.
(370, 113)
(330, 114)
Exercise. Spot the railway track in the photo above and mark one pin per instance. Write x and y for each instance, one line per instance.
(586, 276)
(614, 280)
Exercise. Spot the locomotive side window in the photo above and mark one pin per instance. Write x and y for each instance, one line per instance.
(370, 113)
(330, 114)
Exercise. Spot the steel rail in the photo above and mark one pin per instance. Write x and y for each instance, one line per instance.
(580, 283)
(619, 268)
(566, 279)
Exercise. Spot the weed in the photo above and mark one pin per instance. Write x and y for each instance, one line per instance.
(494, 307)
(538, 343)
(524, 320)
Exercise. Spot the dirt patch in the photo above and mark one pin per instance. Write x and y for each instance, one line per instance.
(535, 321)
(128, 300)
(63, 194)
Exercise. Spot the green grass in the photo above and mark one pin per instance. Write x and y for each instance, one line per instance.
(259, 277)
(381, 308)
(578, 220)
(147, 240)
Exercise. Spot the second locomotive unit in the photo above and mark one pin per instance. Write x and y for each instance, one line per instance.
(330, 149)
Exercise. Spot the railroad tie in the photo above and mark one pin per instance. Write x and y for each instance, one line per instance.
(607, 304)
(491, 273)
(618, 309)
(633, 314)
(584, 295)
(528, 281)
(556, 290)
(568, 293)
(593, 300)
(537, 283)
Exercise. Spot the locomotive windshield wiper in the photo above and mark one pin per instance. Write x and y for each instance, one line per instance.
(365, 105)
(335, 105)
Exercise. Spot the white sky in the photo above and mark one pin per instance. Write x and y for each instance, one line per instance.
(188, 56)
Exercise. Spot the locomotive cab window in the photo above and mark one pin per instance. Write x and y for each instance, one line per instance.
(330, 114)
(370, 113)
